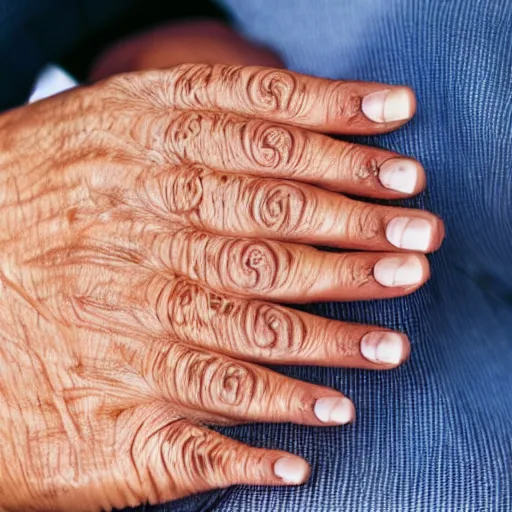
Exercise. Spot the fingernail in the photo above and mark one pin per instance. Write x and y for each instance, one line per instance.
(398, 271)
(291, 470)
(383, 347)
(407, 233)
(387, 106)
(399, 174)
(334, 410)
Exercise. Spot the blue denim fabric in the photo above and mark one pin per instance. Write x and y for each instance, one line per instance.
(436, 434)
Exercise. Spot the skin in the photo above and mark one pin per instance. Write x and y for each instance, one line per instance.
(193, 42)
(151, 223)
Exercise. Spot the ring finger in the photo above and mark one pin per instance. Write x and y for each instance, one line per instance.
(267, 333)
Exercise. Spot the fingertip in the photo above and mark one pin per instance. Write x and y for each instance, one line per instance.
(439, 233)
(413, 101)
(419, 232)
(407, 349)
(334, 410)
(386, 348)
(403, 175)
(426, 267)
(391, 105)
(408, 93)
(421, 182)
(401, 271)
(291, 470)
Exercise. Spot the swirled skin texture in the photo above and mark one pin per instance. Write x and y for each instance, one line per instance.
(150, 224)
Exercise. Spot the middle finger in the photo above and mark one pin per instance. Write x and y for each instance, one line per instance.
(241, 205)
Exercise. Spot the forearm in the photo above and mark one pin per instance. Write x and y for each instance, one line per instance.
(206, 42)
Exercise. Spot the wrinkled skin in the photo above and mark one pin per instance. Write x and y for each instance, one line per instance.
(149, 224)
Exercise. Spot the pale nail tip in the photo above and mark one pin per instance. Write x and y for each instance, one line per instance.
(343, 413)
(390, 350)
(397, 106)
(409, 274)
(417, 236)
(393, 272)
(387, 348)
(291, 470)
(334, 410)
(411, 234)
(400, 177)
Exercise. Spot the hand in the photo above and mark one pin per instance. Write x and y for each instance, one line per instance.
(193, 42)
(149, 225)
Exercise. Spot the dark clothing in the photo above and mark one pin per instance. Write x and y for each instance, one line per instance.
(34, 33)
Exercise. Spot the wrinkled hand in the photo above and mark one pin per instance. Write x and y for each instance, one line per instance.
(148, 225)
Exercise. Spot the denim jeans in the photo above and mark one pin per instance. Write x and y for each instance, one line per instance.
(436, 434)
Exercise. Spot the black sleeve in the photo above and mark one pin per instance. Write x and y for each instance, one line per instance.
(71, 33)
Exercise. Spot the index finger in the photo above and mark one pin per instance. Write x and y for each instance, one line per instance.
(356, 108)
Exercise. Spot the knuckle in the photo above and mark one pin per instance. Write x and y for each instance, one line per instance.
(278, 206)
(230, 75)
(276, 91)
(190, 83)
(183, 191)
(202, 457)
(354, 271)
(234, 383)
(273, 330)
(273, 146)
(175, 192)
(344, 103)
(189, 310)
(190, 368)
(149, 440)
(362, 166)
(181, 304)
(347, 341)
(182, 133)
(174, 304)
(174, 456)
(185, 253)
(364, 224)
(215, 382)
(201, 454)
(156, 363)
(253, 265)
